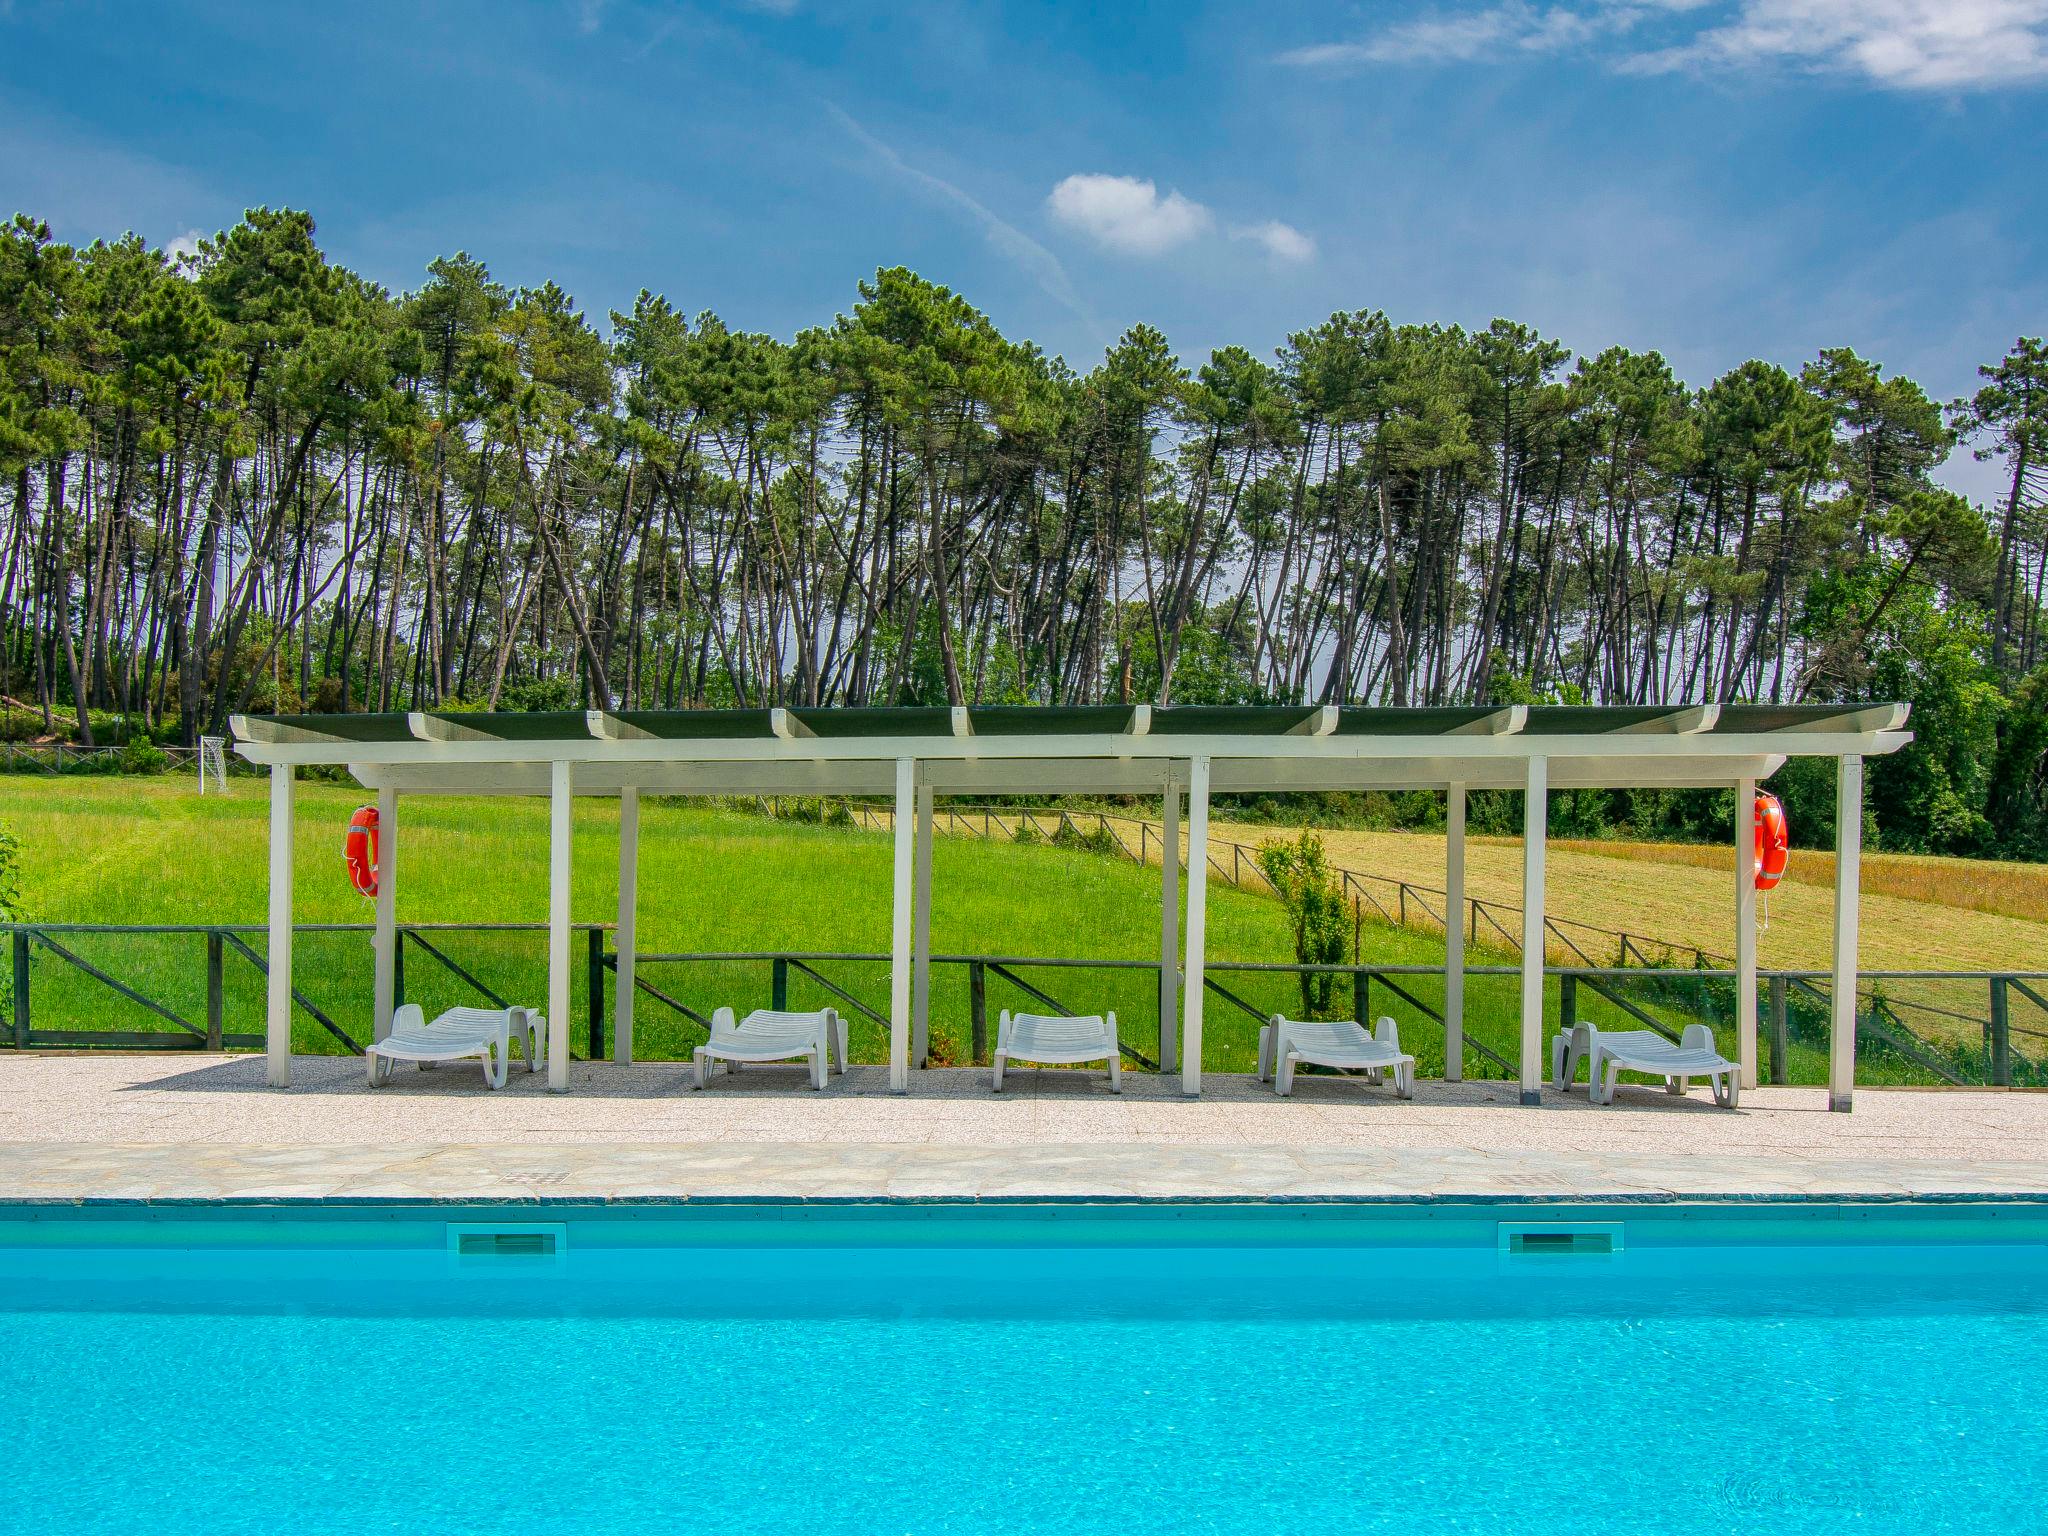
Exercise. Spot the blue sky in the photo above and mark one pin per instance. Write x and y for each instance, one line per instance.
(1716, 179)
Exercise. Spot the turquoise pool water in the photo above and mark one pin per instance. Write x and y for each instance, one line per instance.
(1057, 1370)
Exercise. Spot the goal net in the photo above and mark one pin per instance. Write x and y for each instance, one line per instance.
(213, 763)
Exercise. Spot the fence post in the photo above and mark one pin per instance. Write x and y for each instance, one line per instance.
(2001, 1035)
(1361, 997)
(1780, 1044)
(1568, 1002)
(21, 989)
(397, 970)
(977, 1010)
(213, 998)
(1401, 900)
(778, 985)
(596, 990)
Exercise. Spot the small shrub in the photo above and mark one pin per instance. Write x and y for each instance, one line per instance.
(141, 755)
(1100, 839)
(1300, 873)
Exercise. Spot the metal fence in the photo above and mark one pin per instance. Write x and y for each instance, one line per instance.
(61, 758)
(201, 987)
(1933, 1010)
(1406, 903)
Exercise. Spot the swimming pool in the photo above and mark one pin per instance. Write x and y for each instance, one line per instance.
(1047, 1369)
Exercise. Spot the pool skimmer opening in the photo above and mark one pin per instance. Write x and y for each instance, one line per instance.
(1560, 1239)
(486, 1245)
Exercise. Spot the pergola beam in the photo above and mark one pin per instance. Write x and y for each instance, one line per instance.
(605, 775)
(1870, 719)
(1693, 721)
(1502, 722)
(428, 727)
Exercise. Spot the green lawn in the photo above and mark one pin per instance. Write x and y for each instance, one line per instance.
(128, 851)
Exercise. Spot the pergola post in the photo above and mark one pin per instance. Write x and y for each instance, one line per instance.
(1169, 924)
(921, 934)
(899, 935)
(277, 1035)
(386, 942)
(1848, 884)
(561, 829)
(1198, 913)
(1454, 935)
(626, 934)
(1745, 929)
(1535, 828)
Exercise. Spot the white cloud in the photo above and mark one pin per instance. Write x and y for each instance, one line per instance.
(1907, 44)
(1282, 242)
(1127, 214)
(1491, 32)
(184, 247)
(1904, 44)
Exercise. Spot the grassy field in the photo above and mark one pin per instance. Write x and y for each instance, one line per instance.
(1917, 913)
(132, 851)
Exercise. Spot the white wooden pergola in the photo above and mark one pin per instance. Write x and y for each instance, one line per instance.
(915, 755)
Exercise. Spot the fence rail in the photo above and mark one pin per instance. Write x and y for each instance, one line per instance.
(61, 757)
(64, 979)
(1794, 1004)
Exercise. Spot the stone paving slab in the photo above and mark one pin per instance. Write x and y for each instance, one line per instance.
(66, 1173)
(201, 1128)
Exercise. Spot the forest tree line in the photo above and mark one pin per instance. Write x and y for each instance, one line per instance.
(249, 479)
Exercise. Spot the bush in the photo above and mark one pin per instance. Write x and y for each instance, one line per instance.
(1068, 834)
(1315, 908)
(141, 755)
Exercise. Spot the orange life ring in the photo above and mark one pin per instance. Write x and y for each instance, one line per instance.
(361, 850)
(1773, 842)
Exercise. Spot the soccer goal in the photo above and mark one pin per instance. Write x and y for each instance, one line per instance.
(213, 763)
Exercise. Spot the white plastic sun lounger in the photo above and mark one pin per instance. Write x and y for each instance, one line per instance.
(1285, 1043)
(1609, 1053)
(1052, 1040)
(460, 1033)
(1569, 1049)
(765, 1035)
